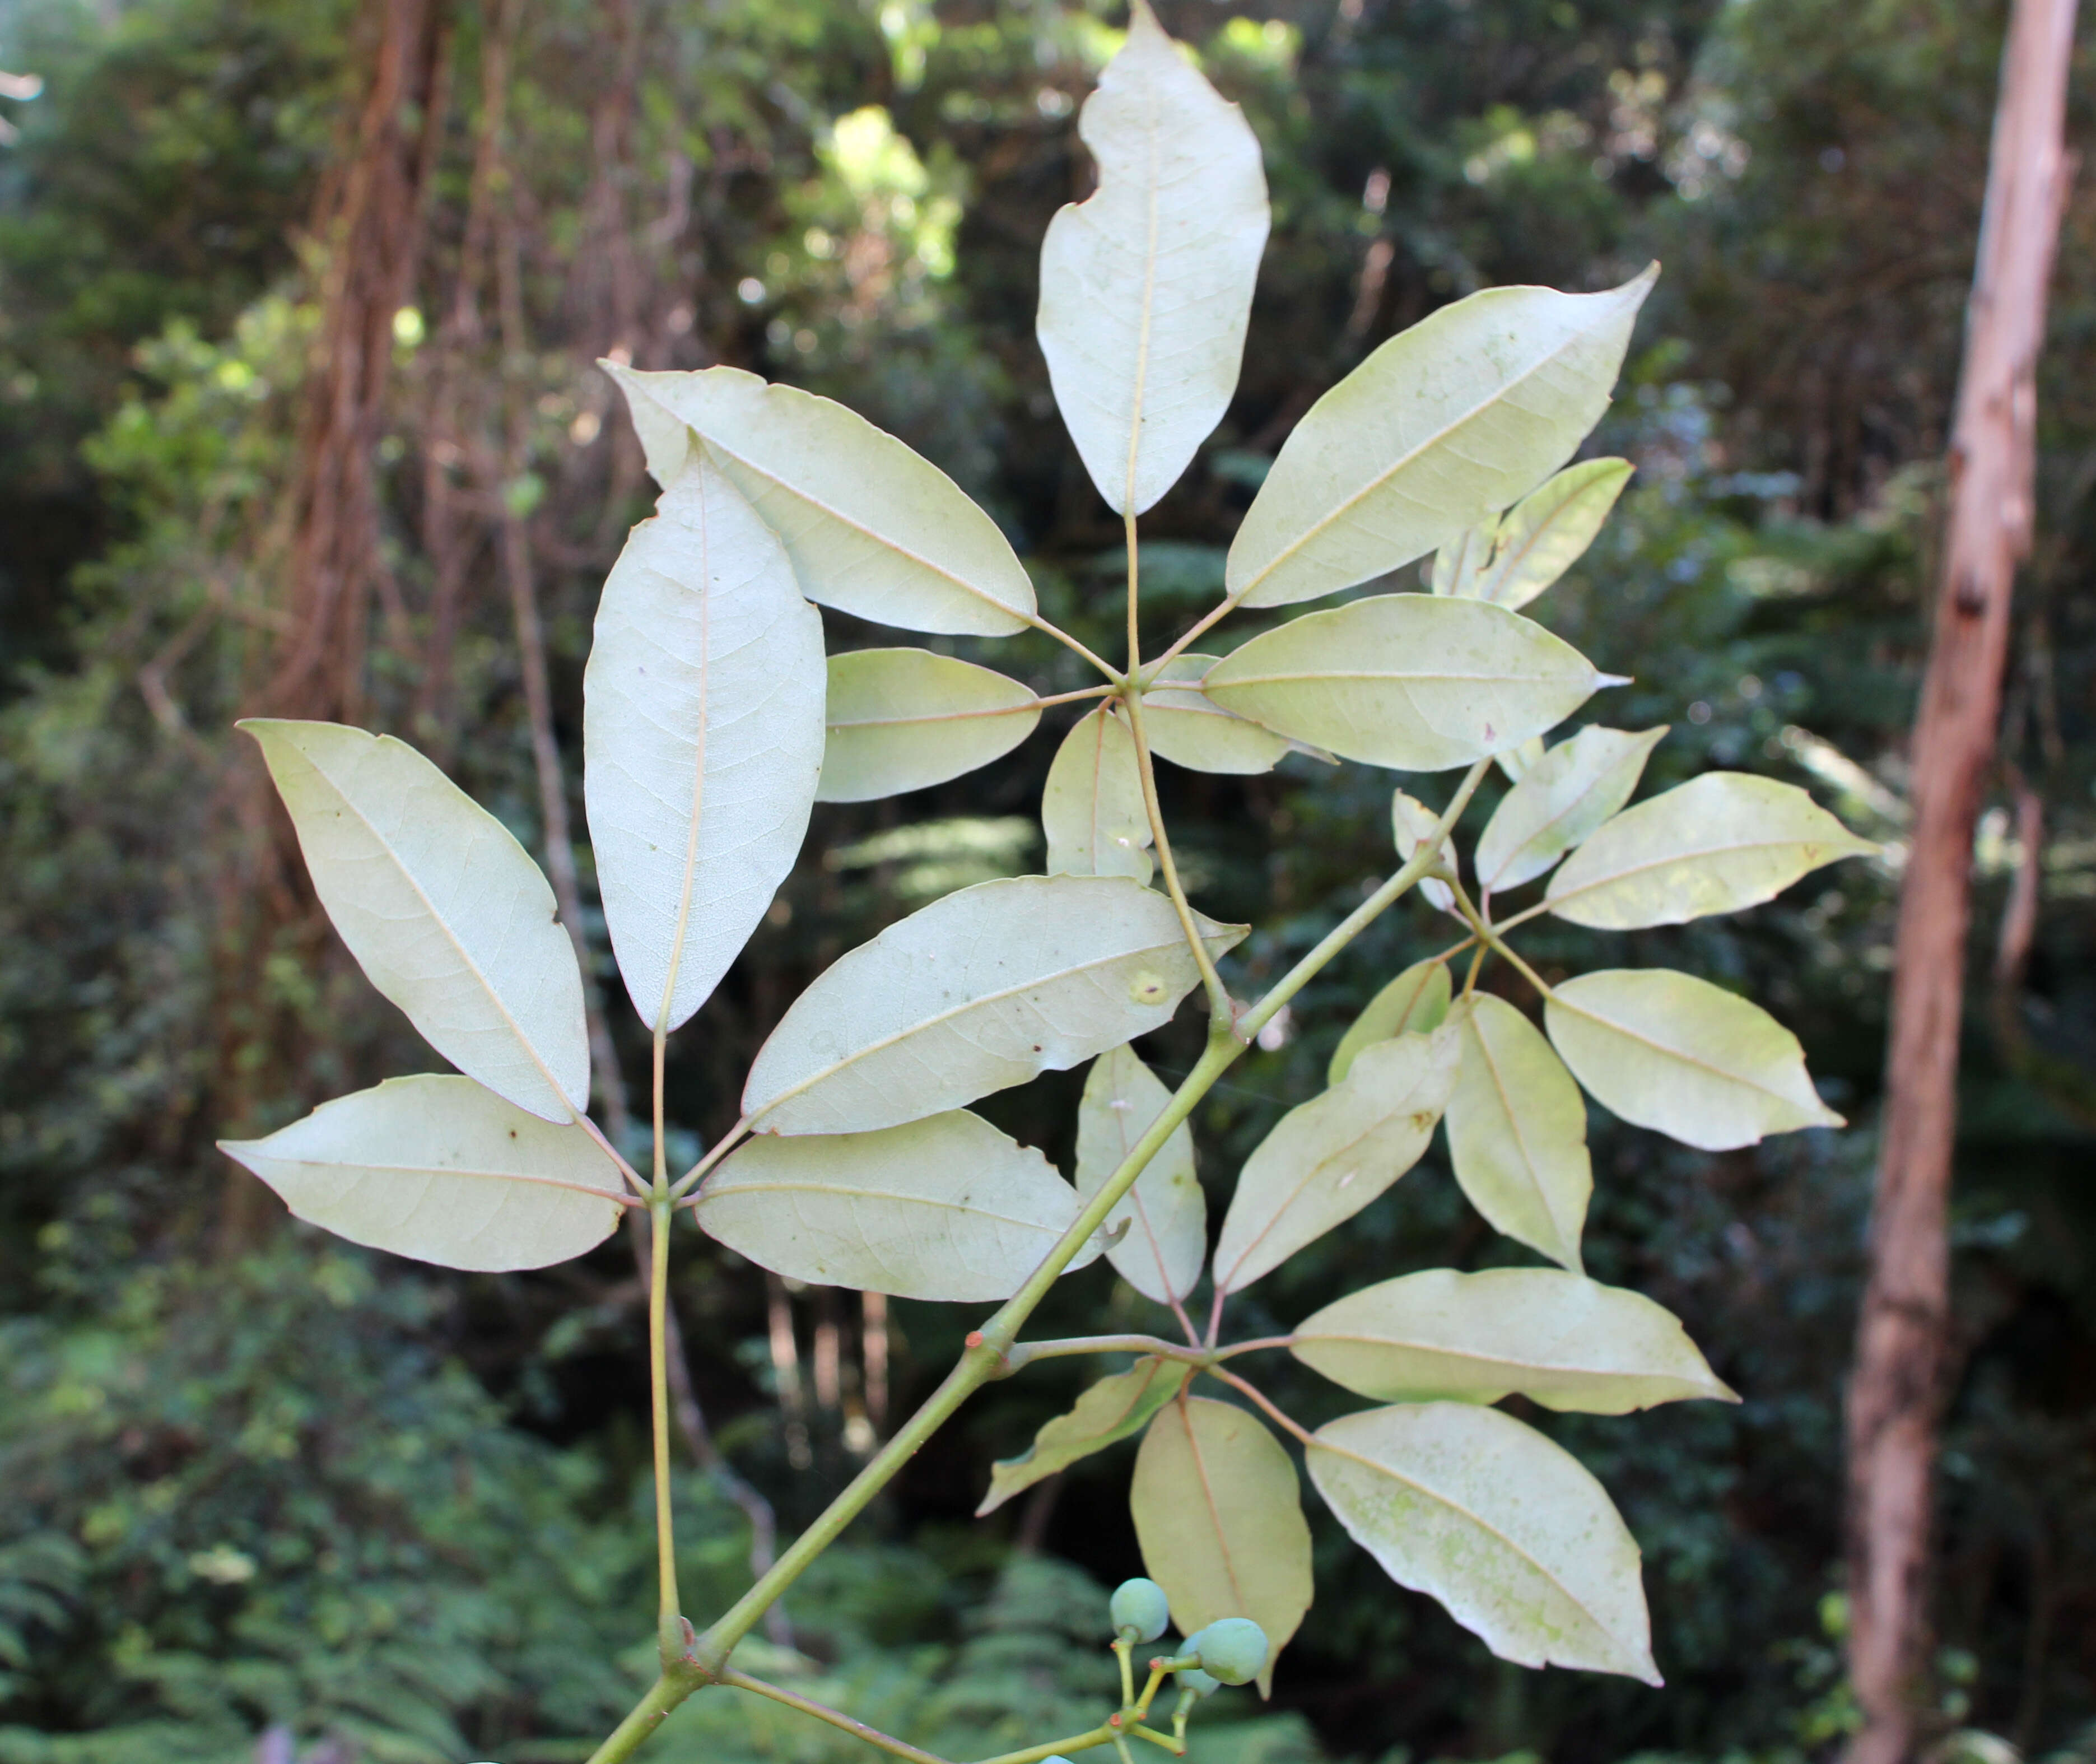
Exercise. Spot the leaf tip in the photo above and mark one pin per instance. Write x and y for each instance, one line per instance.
(1602, 679)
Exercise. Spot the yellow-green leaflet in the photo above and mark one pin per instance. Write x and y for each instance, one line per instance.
(872, 527)
(1674, 1053)
(1455, 564)
(1518, 1130)
(1548, 531)
(1559, 800)
(1416, 1001)
(440, 906)
(1219, 1514)
(1410, 821)
(1516, 761)
(1167, 1240)
(977, 991)
(702, 738)
(904, 719)
(1146, 286)
(943, 1208)
(1714, 845)
(1407, 681)
(1112, 1409)
(1327, 1159)
(1186, 725)
(1465, 412)
(445, 1170)
(1564, 1341)
(1508, 1531)
(1092, 809)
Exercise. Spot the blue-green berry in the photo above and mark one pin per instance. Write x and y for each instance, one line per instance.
(1140, 1610)
(1194, 1679)
(1233, 1648)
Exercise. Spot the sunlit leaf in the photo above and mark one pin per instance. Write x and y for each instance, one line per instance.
(1414, 1002)
(1518, 1130)
(873, 528)
(445, 1170)
(440, 906)
(1457, 562)
(977, 991)
(1562, 1340)
(1407, 681)
(943, 1208)
(1112, 1409)
(904, 719)
(1548, 531)
(1716, 843)
(1092, 808)
(1146, 286)
(1674, 1053)
(702, 738)
(1186, 725)
(1465, 412)
(1327, 1159)
(1219, 1514)
(1509, 1531)
(1411, 823)
(1559, 800)
(1167, 1237)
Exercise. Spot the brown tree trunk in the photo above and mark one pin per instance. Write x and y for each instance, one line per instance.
(1895, 1390)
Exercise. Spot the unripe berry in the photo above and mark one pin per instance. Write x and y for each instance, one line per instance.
(1194, 1679)
(1233, 1648)
(1140, 1610)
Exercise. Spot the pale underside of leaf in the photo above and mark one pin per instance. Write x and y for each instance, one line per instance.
(1457, 561)
(1167, 1237)
(1113, 1409)
(1414, 1002)
(1549, 530)
(976, 992)
(702, 738)
(1186, 727)
(906, 719)
(1668, 1051)
(947, 1208)
(1092, 808)
(1564, 1341)
(1509, 1531)
(1559, 801)
(443, 1169)
(1411, 823)
(442, 908)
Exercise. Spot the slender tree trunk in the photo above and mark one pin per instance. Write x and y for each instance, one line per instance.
(1895, 1391)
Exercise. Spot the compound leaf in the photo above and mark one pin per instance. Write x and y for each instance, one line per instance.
(1186, 725)
(1219, 1515)
(1146, 286)
(702, 738)
(1559, 801)
(1714, 845)
(1674, 1053)
(1464, 413)
(1111, 1410)
(1167, 1237)
(1415, 1003)
(443, 1169)
(1548, 531)
(977, 991)
(905, 719)
(1509, 1531)
(945, 1208)
(440, 906)
(1092, 808)
(1564, 1341)
(873, 528)
(1518, 1130)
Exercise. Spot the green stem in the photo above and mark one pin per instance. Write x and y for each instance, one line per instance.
(659, 1213)
(1063, 1347)
(1102, 1734)
(807, 1705)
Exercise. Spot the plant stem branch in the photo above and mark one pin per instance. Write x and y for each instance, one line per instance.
(1025, 1353)
(1102, 1734)
(807, 1705)
(728, 1141)
(1064, 637)
(1264, 1402)
(659, 1215)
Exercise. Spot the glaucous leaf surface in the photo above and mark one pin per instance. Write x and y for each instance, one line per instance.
(1465, 412)
(1455, 564)
(443, 1169)
(1411, 822)
(1092, 808)
(1516, 761)
(873, 528)
(1714, 845)
(1548, 531)
(945, 1208)
(1518, 1130)
(1562, 1340)
(1186, 725)
(702, 738)
(1407, 681)
(1327, 1159)
(1146, 286)
(442, 908)
(905, 719)
(976, 992)
(1559, 801)
(1219, 1514)
(1112, 1409)
(1415, 1003)
(1508, 1531)
(1676, 1054)
(1167, 1239)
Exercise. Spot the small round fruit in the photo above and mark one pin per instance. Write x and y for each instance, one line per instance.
(1233, 1648)
(1140, 1610)
(1194, 1679)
